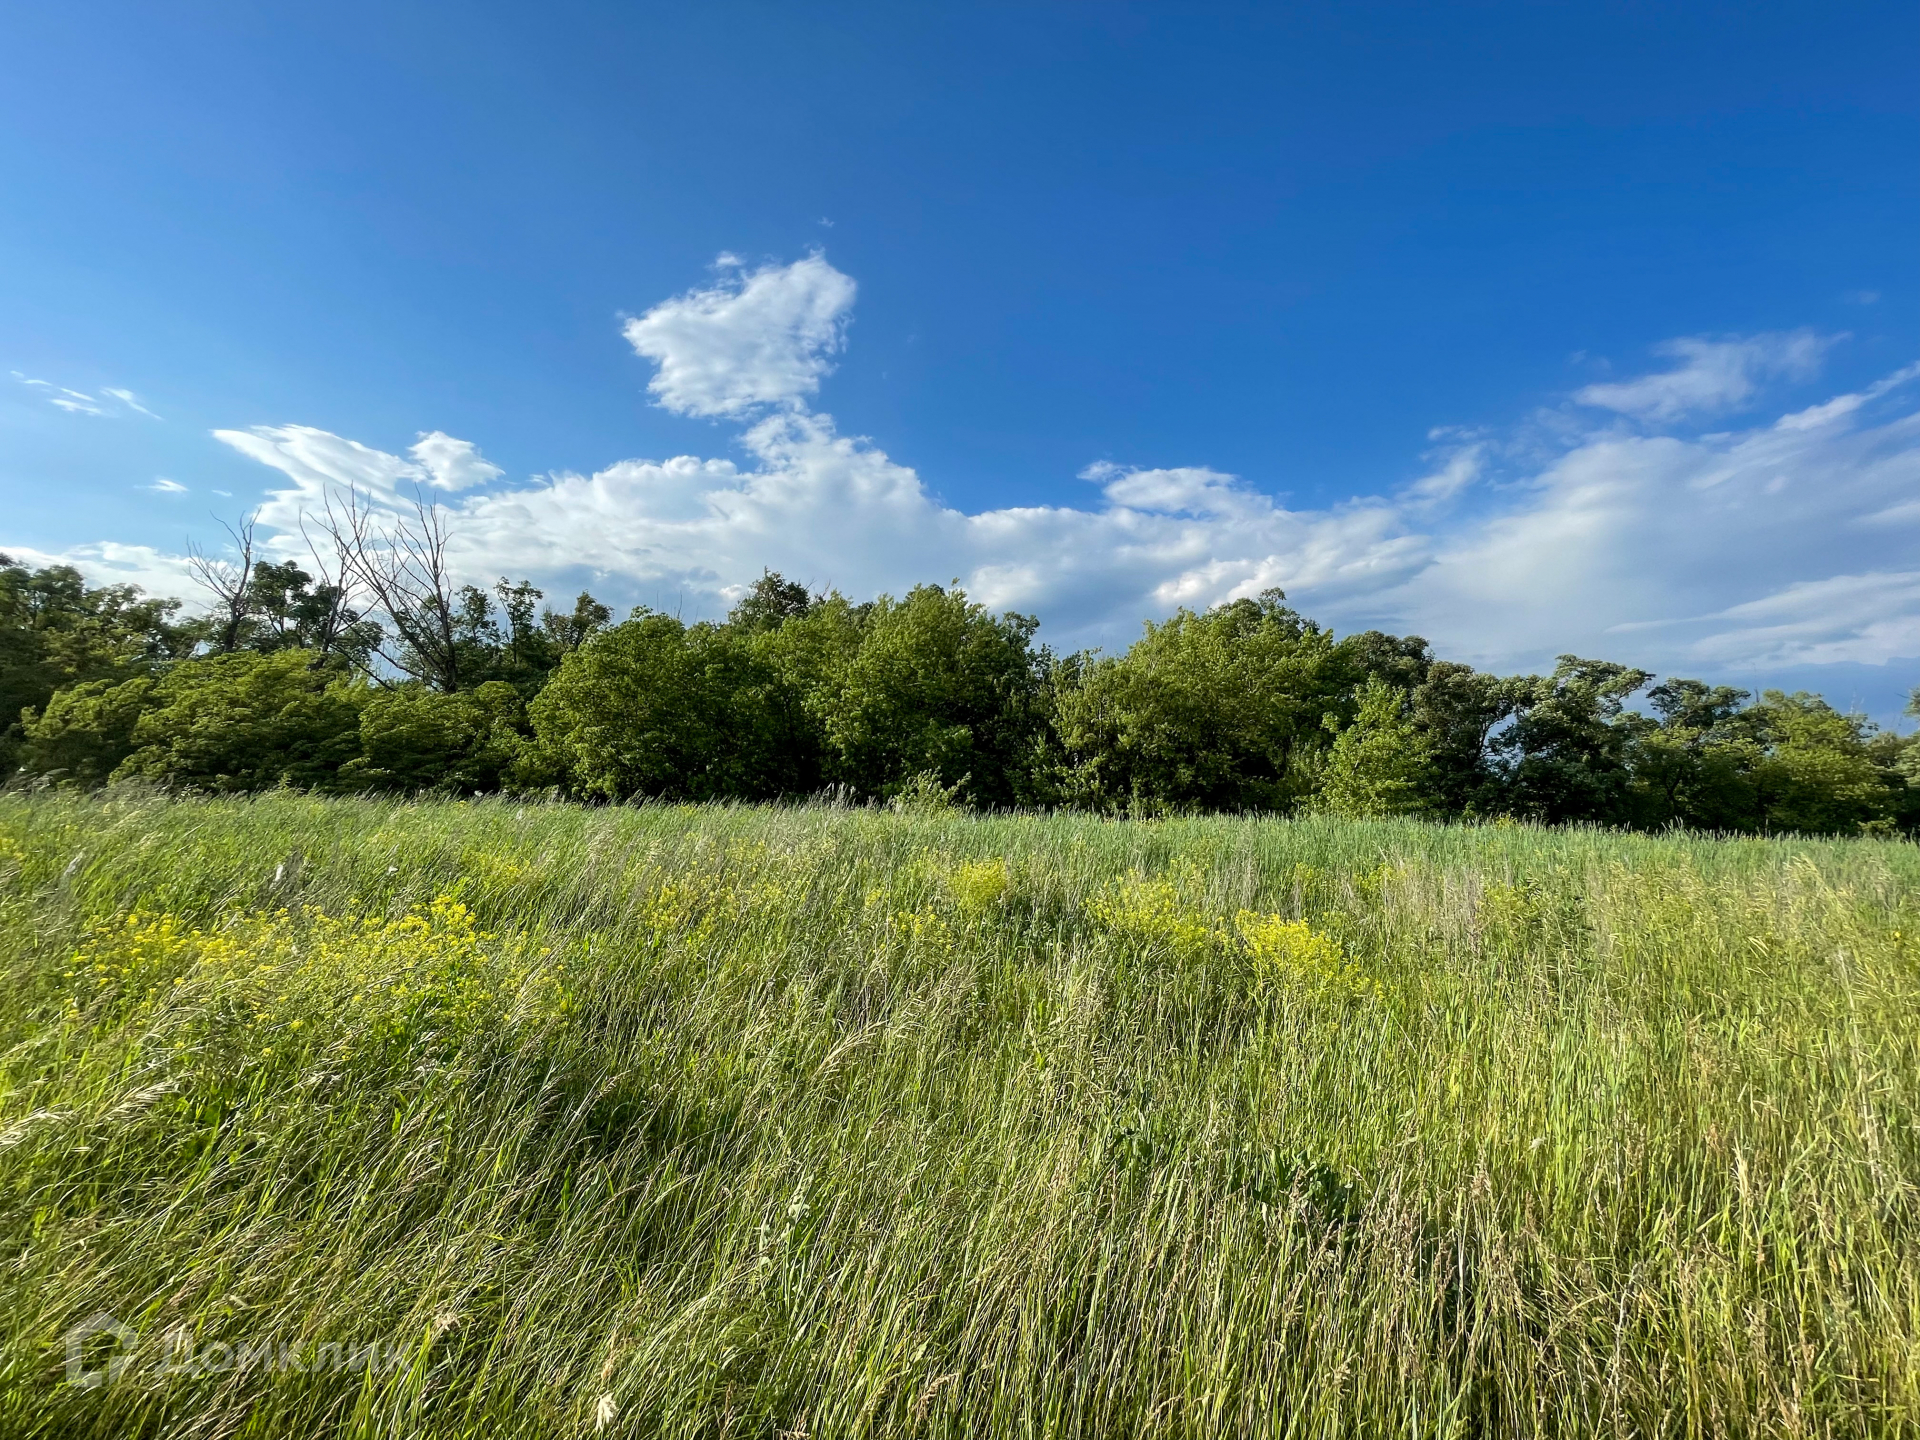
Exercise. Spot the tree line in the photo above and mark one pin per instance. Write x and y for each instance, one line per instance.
(369, 669)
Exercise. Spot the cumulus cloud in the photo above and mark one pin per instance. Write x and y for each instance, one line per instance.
(1784, 543)
(1675, 552)
(1712, 376)
(757, 338)
(836, 510)
(451, 464)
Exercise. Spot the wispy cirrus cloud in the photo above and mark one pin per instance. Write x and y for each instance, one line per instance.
(1713, 376)
(116, 401)
(130, 400)
(74, 402)
(321, 464)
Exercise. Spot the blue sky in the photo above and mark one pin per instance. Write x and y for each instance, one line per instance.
(1527, 328)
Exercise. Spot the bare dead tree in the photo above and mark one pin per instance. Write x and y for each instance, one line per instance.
(228, 583)
(400, 564)
(337, 586)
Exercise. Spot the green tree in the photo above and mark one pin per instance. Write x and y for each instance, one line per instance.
(414, 739)
(568, 630)
(1456, 711)
(256, 604)
(85, 731)
(1402, 661)
(1903, 757)
(770, 603)
(57, 631)
(1693, 766)
(1565, 756)
(243, 721)
(284, 609)
(652, 707)
(497, 636)
(810, 649)
(1216, 711)
(248, 722)
(937, 685)
(1818, 775)
(1378, 762)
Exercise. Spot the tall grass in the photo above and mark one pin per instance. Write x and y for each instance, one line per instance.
(821, 1122)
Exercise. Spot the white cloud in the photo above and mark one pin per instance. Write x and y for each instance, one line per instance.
(1860, 618)
(452, 464)
(1671, 551)
(833, 510)
(108, 562)
(322, 465)
(130, 400)
(1788, 542)
(760, 337)
(1713, 376)
(163, 486)
(1462, 463)
(79, 402)
(1624, 545)
(76, 402)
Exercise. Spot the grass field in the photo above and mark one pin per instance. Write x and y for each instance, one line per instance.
(824, 1122)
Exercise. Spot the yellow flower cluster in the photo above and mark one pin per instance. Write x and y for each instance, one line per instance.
(978, 885)
(687, 912)
(1295, 954)
(1512, 911)
(1280, 952)
(305, 977)
(1151, 913)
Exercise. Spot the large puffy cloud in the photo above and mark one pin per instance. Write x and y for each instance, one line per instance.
(1786, 543)
(450, 464)
(1783, 544)
(833, 510)
(760, 337)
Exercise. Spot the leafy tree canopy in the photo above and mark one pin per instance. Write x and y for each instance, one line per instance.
(1247, 706)
(56, 631)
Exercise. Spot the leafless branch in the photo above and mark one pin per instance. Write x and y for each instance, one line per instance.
(400, 564)
(335, 578)
(227, 581)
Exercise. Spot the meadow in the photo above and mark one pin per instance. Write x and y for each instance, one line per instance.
(376, 1118)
